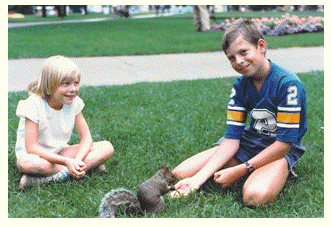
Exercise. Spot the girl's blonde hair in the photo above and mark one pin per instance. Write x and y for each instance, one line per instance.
(55, 69)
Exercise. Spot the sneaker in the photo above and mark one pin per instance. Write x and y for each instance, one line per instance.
(101, 168)
(27, 181)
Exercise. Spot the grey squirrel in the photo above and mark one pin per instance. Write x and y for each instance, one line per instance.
(149, 195)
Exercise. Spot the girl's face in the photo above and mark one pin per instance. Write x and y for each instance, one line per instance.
(65, 93)
(248, 59)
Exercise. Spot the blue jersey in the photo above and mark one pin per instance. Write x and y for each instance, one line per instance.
(277, 111)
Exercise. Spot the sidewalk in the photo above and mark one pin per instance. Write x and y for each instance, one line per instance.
(15, 25)
(121, 70)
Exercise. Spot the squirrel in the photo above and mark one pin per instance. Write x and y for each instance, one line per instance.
(149, 195)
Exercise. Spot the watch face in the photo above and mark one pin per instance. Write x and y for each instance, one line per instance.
(249, 167)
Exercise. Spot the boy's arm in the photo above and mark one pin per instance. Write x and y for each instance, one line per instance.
(275, 151)
(225, 151)
(85, 136)
(272, 153)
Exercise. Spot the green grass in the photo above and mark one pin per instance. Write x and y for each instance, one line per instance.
(175, 34)
(154, 124)
(219, 16)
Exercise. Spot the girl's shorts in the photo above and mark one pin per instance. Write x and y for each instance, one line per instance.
(250, 147)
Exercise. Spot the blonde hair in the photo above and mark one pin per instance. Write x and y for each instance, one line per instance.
(55, 69)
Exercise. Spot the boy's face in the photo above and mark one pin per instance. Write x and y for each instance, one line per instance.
(248, 59)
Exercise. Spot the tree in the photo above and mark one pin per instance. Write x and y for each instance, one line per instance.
(61, 10)
(43, 9)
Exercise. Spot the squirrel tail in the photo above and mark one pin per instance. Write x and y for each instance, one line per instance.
(115, 198)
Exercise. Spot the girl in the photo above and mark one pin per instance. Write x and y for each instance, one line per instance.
(47, 119)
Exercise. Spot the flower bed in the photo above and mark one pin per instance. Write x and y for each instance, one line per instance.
(286, 25)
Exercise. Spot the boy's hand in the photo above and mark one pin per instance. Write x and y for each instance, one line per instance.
(226, 177)
(184, 188)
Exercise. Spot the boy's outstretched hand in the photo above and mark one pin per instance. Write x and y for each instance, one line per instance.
(184, 188)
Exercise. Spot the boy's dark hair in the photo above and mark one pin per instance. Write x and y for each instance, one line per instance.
(250, 31)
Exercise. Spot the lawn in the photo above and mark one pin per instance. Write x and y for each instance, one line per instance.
(154, 124)
(174, 34)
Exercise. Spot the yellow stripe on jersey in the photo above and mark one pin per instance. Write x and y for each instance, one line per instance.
(236, 115)
(288, 117)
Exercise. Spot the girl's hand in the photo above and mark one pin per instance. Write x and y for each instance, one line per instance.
(185, 187)
(226, 177)
(79, 165)
(76, 168)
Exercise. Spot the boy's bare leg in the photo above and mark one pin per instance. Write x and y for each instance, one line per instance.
(265, 183)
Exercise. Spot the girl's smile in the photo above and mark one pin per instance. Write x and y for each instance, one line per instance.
(65, 93)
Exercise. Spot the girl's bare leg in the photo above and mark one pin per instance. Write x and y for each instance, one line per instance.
(100, 152)
(33, 164)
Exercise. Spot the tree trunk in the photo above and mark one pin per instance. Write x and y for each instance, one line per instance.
(44, 12)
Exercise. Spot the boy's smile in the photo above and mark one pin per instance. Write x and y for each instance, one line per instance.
(248, 59)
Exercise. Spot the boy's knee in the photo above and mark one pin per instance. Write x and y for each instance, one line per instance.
(179, 174)
(253, 197)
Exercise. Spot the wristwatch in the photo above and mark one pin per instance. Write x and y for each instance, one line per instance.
(249, 167)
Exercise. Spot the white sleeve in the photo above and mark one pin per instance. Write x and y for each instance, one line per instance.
(28, 109)
(78, 105)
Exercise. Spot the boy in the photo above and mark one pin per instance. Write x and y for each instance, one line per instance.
(270, 147)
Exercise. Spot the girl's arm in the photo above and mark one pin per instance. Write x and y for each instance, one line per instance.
(32, 146)
(85, 137)
(225, 151)
(272, 153)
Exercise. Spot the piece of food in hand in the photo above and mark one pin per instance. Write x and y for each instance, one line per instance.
(181, 192)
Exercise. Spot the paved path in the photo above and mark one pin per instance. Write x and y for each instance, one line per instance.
(27, 24)
(121, 70)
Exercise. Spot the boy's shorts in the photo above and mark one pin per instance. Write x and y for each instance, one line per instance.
(251, 145)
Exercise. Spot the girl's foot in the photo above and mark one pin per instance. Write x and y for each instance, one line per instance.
(101, 168)
(28, 180)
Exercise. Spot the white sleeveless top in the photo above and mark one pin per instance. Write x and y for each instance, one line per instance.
(54, 126)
